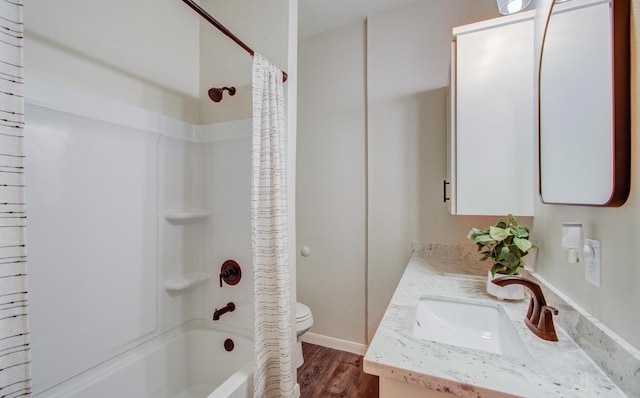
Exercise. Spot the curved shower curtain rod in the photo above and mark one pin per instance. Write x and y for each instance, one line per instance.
(195, 7)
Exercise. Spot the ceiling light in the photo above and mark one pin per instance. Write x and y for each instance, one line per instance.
(507, 7)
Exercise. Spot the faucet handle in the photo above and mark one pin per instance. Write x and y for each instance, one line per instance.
(545, 324)
(539, 317)
(230, 273)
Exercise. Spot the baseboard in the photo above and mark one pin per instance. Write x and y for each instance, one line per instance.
(332, 342)
(296, 392)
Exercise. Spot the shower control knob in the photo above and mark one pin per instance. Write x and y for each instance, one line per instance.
(230, 273)
(305, 251)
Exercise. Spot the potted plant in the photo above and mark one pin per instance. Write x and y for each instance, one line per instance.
(505, 243)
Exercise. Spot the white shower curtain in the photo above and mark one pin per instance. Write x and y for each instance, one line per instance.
(273, 375)
(15, 379)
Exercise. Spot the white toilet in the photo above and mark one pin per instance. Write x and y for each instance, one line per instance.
(304, 321)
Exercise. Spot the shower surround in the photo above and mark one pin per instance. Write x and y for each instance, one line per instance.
(109, 265)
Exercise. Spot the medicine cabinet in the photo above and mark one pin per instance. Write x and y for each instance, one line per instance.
(491, 152)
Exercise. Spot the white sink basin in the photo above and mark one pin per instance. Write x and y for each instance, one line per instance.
(468, 324)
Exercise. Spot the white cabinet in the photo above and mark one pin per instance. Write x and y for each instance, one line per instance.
(491, 139)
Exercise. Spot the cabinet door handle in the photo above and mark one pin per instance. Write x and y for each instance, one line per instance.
(444, 191)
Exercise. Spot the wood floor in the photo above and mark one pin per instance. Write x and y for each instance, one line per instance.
(330, 373)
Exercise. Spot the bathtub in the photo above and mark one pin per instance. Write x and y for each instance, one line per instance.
(188, 362)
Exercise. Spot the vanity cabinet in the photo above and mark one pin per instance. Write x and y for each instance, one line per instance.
(490, 144)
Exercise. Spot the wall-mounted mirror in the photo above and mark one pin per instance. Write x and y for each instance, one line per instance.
(584, 104)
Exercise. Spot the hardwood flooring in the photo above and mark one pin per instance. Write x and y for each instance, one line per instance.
(330, 373)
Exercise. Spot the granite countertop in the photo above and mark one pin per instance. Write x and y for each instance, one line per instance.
(555, 369)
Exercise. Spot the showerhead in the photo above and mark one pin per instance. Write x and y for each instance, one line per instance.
(216, 93)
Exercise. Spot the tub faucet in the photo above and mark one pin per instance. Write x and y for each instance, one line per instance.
(539, 317)
(227, 308)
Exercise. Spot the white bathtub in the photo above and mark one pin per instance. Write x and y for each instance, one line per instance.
(189, 362)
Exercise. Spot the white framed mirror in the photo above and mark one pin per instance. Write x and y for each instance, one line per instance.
(584, 104)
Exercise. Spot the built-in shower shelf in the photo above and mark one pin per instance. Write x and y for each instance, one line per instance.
(186, 217)
(186, 282)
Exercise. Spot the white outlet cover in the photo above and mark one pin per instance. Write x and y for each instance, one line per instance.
(592, 268)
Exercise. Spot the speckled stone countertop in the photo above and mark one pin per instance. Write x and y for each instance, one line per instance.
(559, 369)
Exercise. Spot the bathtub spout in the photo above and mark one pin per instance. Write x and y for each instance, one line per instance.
(227, 308)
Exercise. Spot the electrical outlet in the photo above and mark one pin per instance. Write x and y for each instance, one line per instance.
(592, 268)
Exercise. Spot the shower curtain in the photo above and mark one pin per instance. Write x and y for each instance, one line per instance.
(273, 367)
(15, 379)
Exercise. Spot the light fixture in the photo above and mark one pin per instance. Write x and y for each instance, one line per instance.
(574, 244)
(506, 7)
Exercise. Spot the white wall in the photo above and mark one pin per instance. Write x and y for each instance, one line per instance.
(408, 59)
(144, 55)
(331, 182)
(92, 240)
(291, 103)
(372, 111)
(407, 56)
(618, 229)
(180, 247)
(264, 26)
(141, 52)
(225, 174)
(100, 246)
(156, 54)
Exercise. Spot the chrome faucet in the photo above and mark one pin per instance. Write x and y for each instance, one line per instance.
(539, 317)
(230, 307)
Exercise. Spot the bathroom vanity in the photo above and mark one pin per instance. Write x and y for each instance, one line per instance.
(412, 366)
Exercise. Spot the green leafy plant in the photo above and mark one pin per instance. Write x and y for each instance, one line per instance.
(505, 243)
